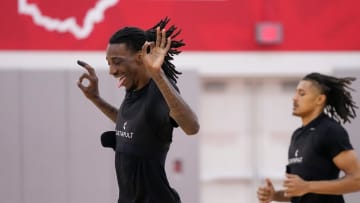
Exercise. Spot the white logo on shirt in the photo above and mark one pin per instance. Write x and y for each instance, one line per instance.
(124, 133)
(296, 159)
(124, 126)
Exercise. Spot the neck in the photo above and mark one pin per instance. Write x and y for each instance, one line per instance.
(143, 82)
(308, 118)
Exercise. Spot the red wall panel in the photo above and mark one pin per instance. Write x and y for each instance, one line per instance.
(214, 25)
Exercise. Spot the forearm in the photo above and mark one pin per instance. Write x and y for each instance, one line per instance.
(280, 197)
(347, 184)
(179, 109)
(109, 111)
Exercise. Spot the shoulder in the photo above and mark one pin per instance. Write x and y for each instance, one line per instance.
(331, 133)
(332, 127)
(333, 137)
(154, 89)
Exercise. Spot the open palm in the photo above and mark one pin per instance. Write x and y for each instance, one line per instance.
(154, 58)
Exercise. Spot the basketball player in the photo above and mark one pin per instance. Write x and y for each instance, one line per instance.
(141, 62)
(321, 147)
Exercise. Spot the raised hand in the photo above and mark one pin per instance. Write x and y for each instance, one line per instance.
(91, 91)
(266, 193)
(153, 54)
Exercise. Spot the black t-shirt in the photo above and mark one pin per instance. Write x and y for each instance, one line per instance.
(143, 136)
(311, 154)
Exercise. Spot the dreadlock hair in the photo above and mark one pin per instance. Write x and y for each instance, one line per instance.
(339, 103)
(134, 38)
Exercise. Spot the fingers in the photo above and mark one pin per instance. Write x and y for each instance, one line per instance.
(147, 47)
(90, 75)
(168, 44)
(290, 180)
(263, 194)
(82, 77)
(269, 183)
(266, 191)
(289, 192)
(89, 69)
(81, 63)
(288, 175)
(161, 40)
(158, 37)
(290, 185)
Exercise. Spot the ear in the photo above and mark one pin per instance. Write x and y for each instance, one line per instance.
(138, 58)
(321, 100)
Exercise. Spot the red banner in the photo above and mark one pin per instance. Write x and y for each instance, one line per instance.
(213, 25)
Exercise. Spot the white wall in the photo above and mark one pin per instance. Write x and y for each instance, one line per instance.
(208, 64)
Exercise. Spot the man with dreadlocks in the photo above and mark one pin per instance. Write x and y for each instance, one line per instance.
(321, 147)
(152, 107)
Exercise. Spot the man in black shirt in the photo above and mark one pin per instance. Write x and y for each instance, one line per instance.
(152, 107)
(321, 148)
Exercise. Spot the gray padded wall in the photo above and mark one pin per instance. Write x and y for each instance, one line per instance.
(92, 175)
(43, 112)
(186, 148)
(50, 147)
(11, 145)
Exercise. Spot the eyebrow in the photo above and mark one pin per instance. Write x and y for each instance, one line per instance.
(300, 90)
(115, 57)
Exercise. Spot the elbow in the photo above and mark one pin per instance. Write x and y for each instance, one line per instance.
(357, 182)
(356, 177)
(193, 130)
(189, 124)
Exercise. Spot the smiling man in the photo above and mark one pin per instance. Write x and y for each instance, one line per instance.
(141, 62)
(321, 147)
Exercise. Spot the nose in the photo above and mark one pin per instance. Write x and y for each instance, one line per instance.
(294, 97)
(112, 70)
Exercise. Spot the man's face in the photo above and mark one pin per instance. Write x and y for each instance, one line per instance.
(124, 65)
(307, 99)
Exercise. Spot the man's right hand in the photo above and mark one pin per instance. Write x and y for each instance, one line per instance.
(91, 91)
(266, 192)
